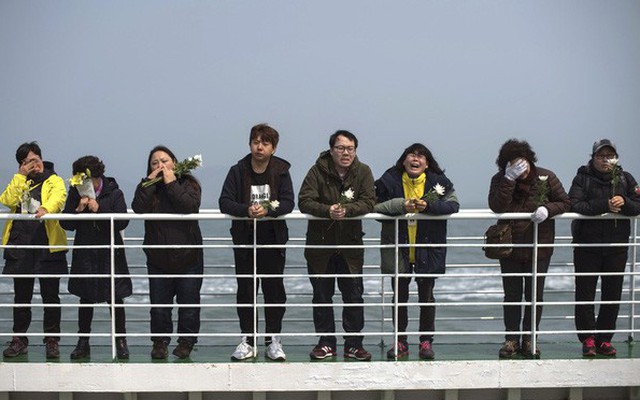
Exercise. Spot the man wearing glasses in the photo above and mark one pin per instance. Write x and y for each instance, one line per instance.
(338, 186)
(35, 189)
(601, 187)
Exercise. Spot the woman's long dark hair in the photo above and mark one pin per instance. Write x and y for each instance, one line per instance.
(160, 147)
(419, 148)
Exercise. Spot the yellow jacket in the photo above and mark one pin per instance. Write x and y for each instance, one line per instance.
(54, 194)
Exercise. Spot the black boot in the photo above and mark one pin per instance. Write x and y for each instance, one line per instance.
(122, 350)
(82, 349)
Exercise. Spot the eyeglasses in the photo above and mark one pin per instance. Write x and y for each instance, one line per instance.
(602, 157)
(342, 149)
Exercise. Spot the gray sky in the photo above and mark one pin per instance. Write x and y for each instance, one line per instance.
(115, 78)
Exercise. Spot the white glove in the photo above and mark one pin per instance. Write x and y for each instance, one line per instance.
(540, 214)
(513, 171)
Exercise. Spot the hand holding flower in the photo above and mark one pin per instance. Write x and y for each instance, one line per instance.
(337, 212)
(256, 210)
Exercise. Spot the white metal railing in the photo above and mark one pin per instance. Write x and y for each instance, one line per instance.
(473, 308)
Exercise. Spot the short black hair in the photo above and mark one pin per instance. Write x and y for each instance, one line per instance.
(347, 134)
(24, 150)
(266, 133)
(91, 163)
(514, 148)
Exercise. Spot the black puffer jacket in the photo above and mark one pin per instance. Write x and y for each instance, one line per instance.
(520, 196)
(590, 193)
(98, 261)
(181, 196)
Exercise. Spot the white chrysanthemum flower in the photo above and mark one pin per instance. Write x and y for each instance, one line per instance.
(349, 194)
(613, 161)
(439, 189)
(275, 204)
(543, 178)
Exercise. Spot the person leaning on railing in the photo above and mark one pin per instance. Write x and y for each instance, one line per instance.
(521, 186)
(174, 195)
(96, 194)
(416, 184)
(601, 187)
(35, 189)
(259, 186)
(338, 186)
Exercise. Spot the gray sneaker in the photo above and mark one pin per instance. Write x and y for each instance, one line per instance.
(244, 351)
(274, 350)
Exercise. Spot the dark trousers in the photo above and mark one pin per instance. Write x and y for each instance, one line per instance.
(513, 290)
(269, 262)
(23, 293)
(351, 289)
(186, 291)
(587, 260)
(427, 312)
(85, 317)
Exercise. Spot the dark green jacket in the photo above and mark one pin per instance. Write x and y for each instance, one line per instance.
(321, 188)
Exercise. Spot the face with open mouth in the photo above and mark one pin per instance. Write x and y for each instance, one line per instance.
(343, 153)
(415, 164)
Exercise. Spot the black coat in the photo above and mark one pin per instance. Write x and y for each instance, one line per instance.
(590, 193)
(181, 196)
(98, 261)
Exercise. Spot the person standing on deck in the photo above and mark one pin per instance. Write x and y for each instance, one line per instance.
(338, 186)
(259, 186)
(601, 187)
(521, 186)
(35, 189)
(416, 184)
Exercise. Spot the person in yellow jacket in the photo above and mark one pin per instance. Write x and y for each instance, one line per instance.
(37, 190)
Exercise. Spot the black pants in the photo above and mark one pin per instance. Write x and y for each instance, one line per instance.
(269, 262)
(49, 290)
(587, 260)
(427, 312)
(85, 317)
(351, 289)
(514, 287)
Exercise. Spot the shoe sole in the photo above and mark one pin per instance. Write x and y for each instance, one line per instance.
(352, 357)
(15, 355)
(276, 358)
(328, 355)
(397, 357)
(249, 357)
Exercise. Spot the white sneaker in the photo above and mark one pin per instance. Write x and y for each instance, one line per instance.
(244, 351)
(274, 350)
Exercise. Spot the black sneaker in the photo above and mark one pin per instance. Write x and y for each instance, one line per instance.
(322, 351)
(52, 350)
(122, 350)
(357, 353)
(606, 349)
(160, 350)
(509, 349)
(82, 349)
(16, 347)
(183, 349)
(402, 350)
(426, 351)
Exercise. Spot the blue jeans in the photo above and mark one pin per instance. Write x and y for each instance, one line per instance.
(186, 291)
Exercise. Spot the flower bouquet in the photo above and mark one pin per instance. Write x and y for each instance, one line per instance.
(542, 190)
(28, 205)
(434, 193)
(270, 204)
(182, 167)
(82, 182)
(346, 197)
(616, 173)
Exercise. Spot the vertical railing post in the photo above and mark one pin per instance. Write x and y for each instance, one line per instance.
(255, 283)
(632, 283)
(534, 291)
(112, 266)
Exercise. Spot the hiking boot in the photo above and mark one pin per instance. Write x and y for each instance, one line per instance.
(402, 350)
(426, 352)
(589, 347)
(357, 353)
(606, 349)
(160, 350)
(244, 351)
(82, 349)
(51, 348)
(15, 348)
(122, 350)
(527, 349)
(274, 350)
(183, 349)
(322, 351)
(509, 349)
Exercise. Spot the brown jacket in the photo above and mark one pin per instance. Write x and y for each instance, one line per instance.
(522, 196)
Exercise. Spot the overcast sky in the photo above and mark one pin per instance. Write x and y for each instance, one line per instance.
(115, 78)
